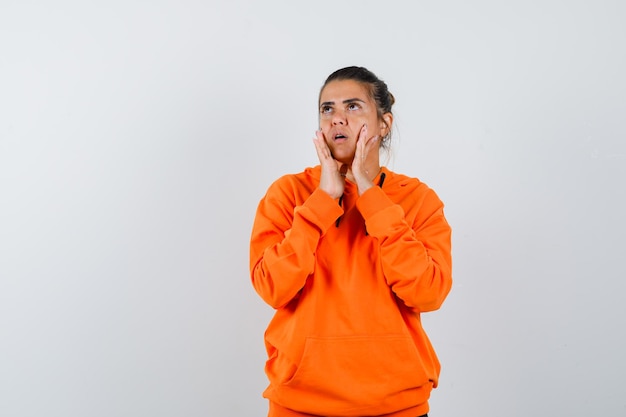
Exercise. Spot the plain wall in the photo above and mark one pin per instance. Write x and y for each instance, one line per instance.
(136, 139)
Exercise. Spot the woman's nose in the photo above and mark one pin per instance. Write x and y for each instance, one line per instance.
(339, 119)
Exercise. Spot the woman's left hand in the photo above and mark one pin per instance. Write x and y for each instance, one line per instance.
(363, 169)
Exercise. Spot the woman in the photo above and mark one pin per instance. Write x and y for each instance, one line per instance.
(349, 254)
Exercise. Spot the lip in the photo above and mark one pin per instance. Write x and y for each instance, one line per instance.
(339, 136)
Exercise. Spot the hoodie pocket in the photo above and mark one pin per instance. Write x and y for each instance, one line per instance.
(358, 370)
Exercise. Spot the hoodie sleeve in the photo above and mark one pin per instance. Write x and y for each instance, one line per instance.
(416, 258)
(284, 240)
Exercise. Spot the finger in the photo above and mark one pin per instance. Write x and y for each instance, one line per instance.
(320, 145)
(372, 142)
(320, 151)
(361, 136)
(368, 145)
(323, 151)
(363, 133)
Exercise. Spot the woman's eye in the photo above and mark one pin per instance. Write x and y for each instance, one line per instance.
(325, 109)
(353, 106)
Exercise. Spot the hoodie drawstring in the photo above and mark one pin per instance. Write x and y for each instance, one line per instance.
(340, 205)
(381, 181)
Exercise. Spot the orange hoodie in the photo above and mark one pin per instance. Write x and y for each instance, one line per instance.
(348, 282)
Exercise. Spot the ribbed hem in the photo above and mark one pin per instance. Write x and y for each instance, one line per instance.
(278, 411)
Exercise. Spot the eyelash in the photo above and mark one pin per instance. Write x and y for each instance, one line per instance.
(350, 106)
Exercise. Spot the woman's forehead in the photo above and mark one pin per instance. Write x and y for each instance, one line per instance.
(344, 89)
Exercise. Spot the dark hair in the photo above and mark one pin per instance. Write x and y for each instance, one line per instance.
(377, 89)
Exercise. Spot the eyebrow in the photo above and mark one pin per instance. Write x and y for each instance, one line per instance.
(348, 101)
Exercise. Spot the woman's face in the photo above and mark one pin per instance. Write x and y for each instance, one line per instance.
(345, 107)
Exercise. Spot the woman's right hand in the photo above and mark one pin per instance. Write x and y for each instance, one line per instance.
(332, 180)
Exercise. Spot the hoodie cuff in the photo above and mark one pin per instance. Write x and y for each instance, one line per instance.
(321, 209)
(373, 201)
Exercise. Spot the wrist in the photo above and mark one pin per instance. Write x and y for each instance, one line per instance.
(363, 187)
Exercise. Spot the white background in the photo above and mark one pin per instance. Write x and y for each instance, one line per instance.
(136, 139)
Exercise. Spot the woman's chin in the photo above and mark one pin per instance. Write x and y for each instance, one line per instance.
(344, 158)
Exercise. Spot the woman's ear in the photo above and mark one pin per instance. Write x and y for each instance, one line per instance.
(385, 125)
